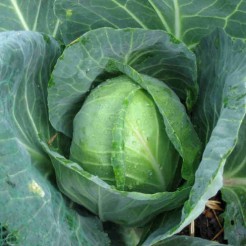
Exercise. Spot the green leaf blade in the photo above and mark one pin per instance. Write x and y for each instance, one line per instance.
(121, 207)
(29, 15)
(235, 214)
(136, 47)
(221, 130)
(29, 199)
(188, 21)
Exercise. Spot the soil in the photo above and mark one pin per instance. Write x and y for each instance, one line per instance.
(209, 225)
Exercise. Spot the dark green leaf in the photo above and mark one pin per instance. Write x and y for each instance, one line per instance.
(29, 15)
(82, 66)
(235, 213)
(31, 208)
(187, 241)
(187, 20)
(219, 119)
(234, 191)
(122, 207)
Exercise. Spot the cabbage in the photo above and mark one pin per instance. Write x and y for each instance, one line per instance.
(119, 120)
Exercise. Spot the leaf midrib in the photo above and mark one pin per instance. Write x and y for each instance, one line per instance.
(234, 182)
(134, 17)
(152, 159)
(19, 14)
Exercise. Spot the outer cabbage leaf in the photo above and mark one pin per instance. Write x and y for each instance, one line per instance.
(234, 191)
(187, 241)
(86, 62)
(29, 15)
(29, 201)
(218, 118)
(122, 207)
(187, 20)
(235, 213)
(122, 235)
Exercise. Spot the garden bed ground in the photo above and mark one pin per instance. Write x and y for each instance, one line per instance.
(209, 225)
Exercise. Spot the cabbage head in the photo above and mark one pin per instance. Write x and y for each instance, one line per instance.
(119, 135)
(134, 150)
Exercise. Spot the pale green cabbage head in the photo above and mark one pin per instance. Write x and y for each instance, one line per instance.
(119, 135)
